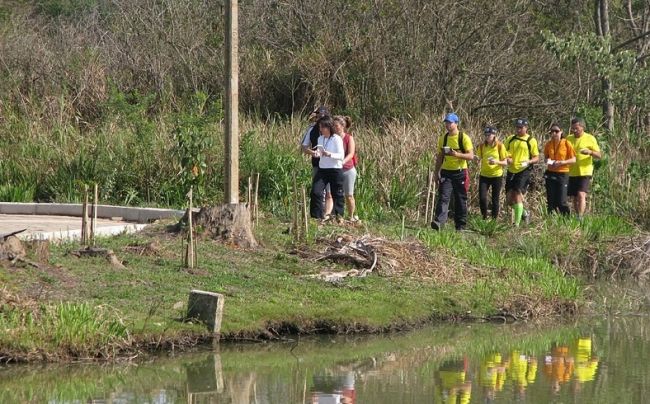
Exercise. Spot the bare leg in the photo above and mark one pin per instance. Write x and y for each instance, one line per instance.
(329, 203)
(580, 203)
(351, 205)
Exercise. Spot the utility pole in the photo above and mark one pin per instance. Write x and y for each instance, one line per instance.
(232, 103)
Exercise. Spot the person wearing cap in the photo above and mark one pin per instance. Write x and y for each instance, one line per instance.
(330, 170)
(453, 152)
(580, 173)
(559, 154)
(309, 143)
(493, 157)
(523, 152)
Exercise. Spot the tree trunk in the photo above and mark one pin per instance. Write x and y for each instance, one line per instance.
(602, 25)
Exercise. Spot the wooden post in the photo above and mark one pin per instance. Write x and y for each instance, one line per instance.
(256, 207)
(189, 260)
(249, 200)
(429, 183)
(295, 228)
(93, 224)
(84, 218)
(433, 200)
(304, 213)
(231, 36)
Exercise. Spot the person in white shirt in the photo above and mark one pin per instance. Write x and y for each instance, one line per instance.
(309, 141)
(330, 170)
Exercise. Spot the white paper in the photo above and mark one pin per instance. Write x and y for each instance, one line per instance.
(550, 162)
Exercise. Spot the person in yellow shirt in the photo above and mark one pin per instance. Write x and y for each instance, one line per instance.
(453, 152)
(580, 173)
(493, 157)
(522, 154)
(559, 154)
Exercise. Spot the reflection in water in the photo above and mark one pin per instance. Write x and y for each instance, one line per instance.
(576, 364)
(482, 363)
(455, 386)
(334, 388)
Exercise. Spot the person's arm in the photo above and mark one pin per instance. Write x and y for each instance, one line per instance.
(337, 152)
(306, 143)
(468, 155)
(535, 158)
(595, 154)
(351, 150)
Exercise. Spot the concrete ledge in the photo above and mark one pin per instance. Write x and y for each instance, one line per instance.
(76, 234)
(130, 214)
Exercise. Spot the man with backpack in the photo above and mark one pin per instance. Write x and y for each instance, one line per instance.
(454, 150)
(522, 154)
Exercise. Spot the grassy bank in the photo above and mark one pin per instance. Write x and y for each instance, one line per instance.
(85, 308)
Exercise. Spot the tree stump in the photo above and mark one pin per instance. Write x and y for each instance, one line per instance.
(229, 223)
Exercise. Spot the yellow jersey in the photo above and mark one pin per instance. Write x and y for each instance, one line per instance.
(584, 165)
(498, 152)
(451, 162)
(517, 147)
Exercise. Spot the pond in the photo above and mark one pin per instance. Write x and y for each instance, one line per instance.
(603, 360)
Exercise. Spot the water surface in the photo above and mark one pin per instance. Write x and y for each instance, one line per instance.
(596, 360)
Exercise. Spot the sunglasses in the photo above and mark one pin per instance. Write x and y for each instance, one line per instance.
(554, 131)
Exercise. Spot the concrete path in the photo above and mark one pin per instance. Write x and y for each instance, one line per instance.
(60, 227)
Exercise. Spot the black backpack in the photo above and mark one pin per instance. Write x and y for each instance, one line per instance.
(515, 137)
(460, 142)
(314, 133)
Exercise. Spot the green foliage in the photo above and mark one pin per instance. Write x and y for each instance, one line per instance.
(192, 143)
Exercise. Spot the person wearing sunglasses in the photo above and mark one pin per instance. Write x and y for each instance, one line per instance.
(493, 157)
(559, 155)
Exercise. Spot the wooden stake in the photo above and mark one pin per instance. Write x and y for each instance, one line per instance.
(304, 213)
(429, 183)
(433, 200)
(84, 218)
(295, 229)
(189, 260)
(93, 224)
(250, 198)
(257, 189)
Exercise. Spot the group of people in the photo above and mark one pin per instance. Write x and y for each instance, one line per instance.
(569, 168)
(568, 161)
(333, 156)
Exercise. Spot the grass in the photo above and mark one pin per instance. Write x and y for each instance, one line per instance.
(86, 308)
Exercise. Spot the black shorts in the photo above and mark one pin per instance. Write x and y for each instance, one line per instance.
(579, 184)
(518, 181)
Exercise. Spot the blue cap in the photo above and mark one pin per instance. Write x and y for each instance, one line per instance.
(490, 130)
(521, 122)
(451, 117)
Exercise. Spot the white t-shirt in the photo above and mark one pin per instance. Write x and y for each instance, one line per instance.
(334, 145)
(306, 141)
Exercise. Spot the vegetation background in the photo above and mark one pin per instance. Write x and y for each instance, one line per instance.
(128, 94)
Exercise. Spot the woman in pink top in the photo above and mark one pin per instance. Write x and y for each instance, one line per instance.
(342, 126)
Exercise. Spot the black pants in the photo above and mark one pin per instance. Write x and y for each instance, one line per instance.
(324, 176)
(556, 192)
(484, 185)
(452, 182)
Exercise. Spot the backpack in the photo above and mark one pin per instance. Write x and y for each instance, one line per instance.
(461, 145)
(314, 133)
(498, 147)
(515, 137)
(460, 141)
